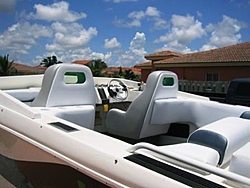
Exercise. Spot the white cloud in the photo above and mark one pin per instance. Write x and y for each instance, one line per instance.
(70, 55)
(160, 23)
(208, 47)
(76, 54)
(123, 23)
(136, 17)
(112, 43)
(224, 33)
(56, 12)
(70, 36)
(184, 30)
(136, 51)
(179, 21)
(152, 11)
(21, 37)
(7, 5)
(199, 14)
(175, 47)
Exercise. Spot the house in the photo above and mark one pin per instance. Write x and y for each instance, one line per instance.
(82, 62)
(207, 71)
(110, 71)
(21, 69)
(149, 66)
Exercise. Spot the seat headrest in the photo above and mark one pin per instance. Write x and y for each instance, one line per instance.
(65, 85)
(163, 84)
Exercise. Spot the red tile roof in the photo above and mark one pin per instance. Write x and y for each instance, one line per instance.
(26, 68)
(235, 53)
(82, 62)
(146, 64)
(162, 55)
(230, 54)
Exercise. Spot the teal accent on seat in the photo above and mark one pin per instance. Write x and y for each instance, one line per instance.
(168, 81)
(80, 77)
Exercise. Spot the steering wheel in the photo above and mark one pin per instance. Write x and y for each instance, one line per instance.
(118, 91)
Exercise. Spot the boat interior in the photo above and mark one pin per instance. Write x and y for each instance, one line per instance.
(154, 119)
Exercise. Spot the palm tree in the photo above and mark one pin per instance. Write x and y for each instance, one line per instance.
(97, 66)
(51, 60)
(5, 65)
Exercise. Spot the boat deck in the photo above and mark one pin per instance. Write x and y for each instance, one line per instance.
(4, 183)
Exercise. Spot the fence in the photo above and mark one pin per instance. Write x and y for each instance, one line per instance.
(204, 86)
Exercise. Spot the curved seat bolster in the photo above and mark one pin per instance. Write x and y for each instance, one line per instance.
(116, 119)
(210, 139)
(184, 110)
(225, 135)
(245, 115)
(135, 122)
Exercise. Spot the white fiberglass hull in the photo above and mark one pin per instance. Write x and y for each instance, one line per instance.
(39, 148)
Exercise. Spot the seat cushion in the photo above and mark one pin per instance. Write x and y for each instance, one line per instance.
(240, 161)
(225, 135)
(83, 115)
(195, 151)
(210, 139)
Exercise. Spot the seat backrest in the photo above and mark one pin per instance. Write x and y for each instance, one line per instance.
(66, 85)
(135, 122)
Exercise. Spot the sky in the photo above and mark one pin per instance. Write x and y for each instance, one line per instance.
(119, 32)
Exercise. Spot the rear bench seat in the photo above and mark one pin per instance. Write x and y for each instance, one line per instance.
(24, 95)
(216, 142)
(195, 112)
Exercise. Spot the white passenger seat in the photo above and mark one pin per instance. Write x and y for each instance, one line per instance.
(68, 92)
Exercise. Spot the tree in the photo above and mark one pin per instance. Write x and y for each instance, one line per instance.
(51, 60)
(5, 65)
(127, 74)
(97, 66)
(119, 74)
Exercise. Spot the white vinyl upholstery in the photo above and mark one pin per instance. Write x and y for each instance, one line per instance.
(24, 95)
(63, 96)
(191, 111)
(135, 122)
(55, 92)
(240, 162)
(195, 151)
(225, 136)
(215, 143)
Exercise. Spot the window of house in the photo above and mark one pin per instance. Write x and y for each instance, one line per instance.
(212, 77)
